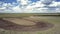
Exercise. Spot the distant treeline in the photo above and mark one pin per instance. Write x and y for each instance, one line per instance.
(27, 14)
(47, 14)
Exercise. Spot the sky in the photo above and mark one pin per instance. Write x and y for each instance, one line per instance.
(57, 0)
(29, 6)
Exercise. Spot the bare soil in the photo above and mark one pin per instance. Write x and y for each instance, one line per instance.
(39, 26)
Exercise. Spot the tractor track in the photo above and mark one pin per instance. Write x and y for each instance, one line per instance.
(39, 26)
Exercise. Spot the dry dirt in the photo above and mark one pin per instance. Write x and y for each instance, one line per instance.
(35, 26)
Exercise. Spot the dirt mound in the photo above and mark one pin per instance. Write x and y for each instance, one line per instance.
(13, 26)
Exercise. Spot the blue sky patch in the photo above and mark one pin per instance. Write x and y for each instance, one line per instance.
(57, 0)
(8, 1)
(34, 0)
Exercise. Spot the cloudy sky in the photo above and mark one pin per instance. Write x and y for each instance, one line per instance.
(29, 6)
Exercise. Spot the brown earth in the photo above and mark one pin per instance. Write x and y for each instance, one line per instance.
(39, 26)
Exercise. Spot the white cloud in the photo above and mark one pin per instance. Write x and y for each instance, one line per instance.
(34, 7)
(24, 2)
(53, 4)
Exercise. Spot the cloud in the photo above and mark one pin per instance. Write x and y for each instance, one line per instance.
(26, 6)
(23, 2)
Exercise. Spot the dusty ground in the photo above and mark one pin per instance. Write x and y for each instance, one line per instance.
(55, 20)
(25, 24)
